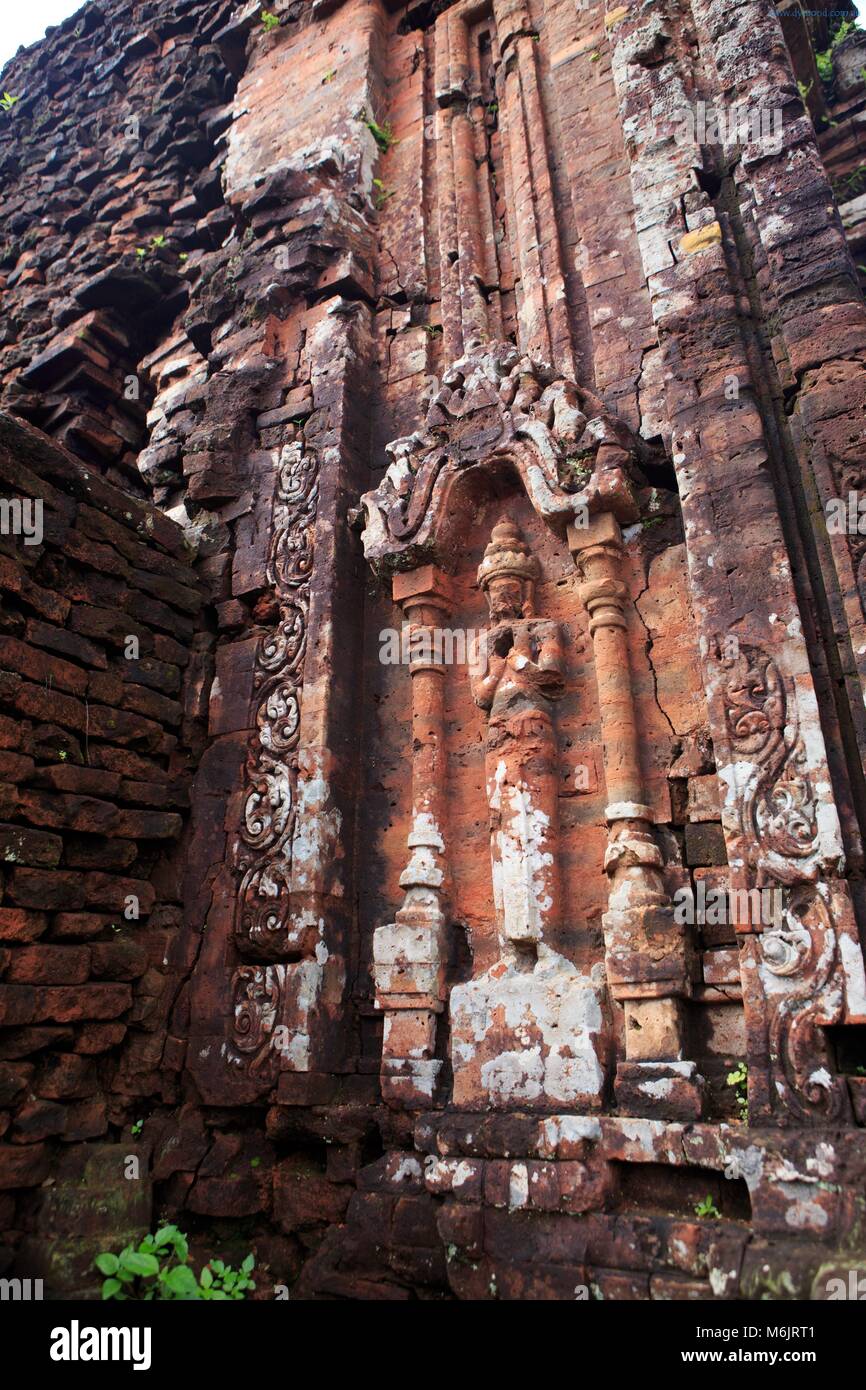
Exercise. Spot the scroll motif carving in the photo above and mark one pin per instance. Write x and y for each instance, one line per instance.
(257, 998)
(775, 798)
(806, 952)
(264, 858)
(801, 968)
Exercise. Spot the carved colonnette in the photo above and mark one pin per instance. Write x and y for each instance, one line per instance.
(647, 955)
(470, 248)
(409, 954)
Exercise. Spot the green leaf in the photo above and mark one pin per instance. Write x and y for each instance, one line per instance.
(107, 1263)
(249, 1264)
(164, 1235)
(142, 1266)
(111, 1288)
(181, 1281)
(206, 1278)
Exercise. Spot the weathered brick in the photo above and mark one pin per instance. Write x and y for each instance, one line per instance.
(80, 926)
(49, 965)
(118, 960)
(17, 924)
(83, 781)
(66, 1076)
(106, 891)
(43, 889)
(70, 644)
(68, 812)
(23, 1165)
(75, 1003)
(21, 846)
(38, 665)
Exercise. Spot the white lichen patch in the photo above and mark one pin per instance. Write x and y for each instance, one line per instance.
(522, 1035)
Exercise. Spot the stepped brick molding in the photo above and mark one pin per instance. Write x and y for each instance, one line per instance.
(432, 646)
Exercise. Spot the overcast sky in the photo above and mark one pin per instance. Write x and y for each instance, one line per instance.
(25, 21)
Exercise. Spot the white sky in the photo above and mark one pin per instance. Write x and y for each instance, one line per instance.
(25, 21)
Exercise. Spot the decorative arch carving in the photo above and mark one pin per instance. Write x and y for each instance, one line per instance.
(496, 407)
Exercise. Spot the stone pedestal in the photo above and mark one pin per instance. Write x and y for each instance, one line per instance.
(530, 1034)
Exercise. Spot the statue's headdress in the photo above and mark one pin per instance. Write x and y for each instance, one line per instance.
(508, 554)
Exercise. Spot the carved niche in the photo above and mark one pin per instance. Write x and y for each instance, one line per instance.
(500, 419)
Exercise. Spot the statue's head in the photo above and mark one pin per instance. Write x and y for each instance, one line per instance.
(508, 572)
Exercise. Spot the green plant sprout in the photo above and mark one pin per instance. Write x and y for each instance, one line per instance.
(738, 1079)
(156, 244)
(136, 1129)
(158, 1268)
(382, 134)
(383, 193)
(707, 1208)
(270, 21)
(7, 101)
(824, 60)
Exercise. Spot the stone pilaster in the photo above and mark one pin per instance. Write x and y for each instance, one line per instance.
(408, 953)
(645, 949)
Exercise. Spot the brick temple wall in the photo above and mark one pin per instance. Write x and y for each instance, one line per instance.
(101, 675)
(238, 261)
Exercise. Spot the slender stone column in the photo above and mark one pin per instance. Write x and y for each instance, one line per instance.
(408, 953)
(645, 949)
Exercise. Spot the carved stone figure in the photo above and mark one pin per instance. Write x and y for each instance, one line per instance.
(529, 1032)
(523, 675)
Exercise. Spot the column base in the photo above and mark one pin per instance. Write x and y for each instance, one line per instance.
(409, 1083)
(662, 1090)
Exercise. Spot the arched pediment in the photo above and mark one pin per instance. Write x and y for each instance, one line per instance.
(498, 412)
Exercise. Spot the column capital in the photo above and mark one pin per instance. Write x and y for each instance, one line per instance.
(601, 530)
(422, 585)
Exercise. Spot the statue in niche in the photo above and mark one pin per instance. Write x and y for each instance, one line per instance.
(532, 1032)
(523, 675)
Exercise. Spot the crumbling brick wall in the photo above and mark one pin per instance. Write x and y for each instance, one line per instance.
(99, 669)
(108, 188)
